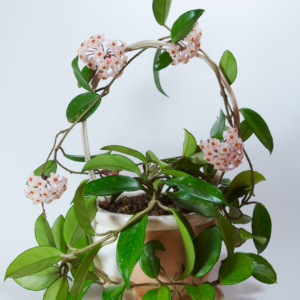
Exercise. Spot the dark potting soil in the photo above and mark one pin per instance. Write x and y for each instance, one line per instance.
(131, 205)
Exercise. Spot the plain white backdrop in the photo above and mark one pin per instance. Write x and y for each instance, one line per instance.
(39, 39)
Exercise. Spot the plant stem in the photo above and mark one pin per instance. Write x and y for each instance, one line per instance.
(167, 27)
(44, 211)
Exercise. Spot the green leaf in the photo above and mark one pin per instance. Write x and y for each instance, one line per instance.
(58, 290)
(247, 236)
(112, 185)
(263, 271)
(87, 74)
(80, 104)
(259, 127)
(195, 204)
(111, 162)
(228, 66)
(198, 188)
(162, 293)
(188, 167)
(235, 212)
(33, 261)
(197, 158)
(127, 151)
(81, 209)
(184, 24)
(174, 173)
(188, 236)
(189, 144)
(85, 288)
(79, 158)
(80, 78)
(208, 245)
(156, 73)
(82, 272)
(113, 291)
(149, 262)
(238, 241)
(202, 292)
(38, 281)
(161, 9)
(43, 233)
(57, 230)
(218, 128)
(51, 167)
(261, 226)
(245, 131)
(164, 61)
(227, 233)
(236, 268)
(225, 182)
(130, 247)
(152, 158)
(241, 184)
(72, 230)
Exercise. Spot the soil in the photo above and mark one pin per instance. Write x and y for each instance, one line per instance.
(131, 205)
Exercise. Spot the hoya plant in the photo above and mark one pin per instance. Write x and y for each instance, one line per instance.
(196, 182)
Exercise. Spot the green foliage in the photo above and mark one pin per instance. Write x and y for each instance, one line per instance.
(174, 173)
(187, 166)
(202, 292)
(156, 73)
(228, 66)
(197, 158)
(113, 291)
(189, 144)
(43, 233)
(236, 268)
(79, 76)
(51, 167)
(184, 24)
(153, 158)
(87, 74)
(218, 127)
(57, 230)
(58, 290)
(79, 158)
(208, 245)
(161, 9)
(247, 236)
(33, 261)
(246, 131)
(130, 247)
(235, 212)
(164, 61)
(149, 262)
(227, 233)
(259, 127)
(261, 226)
(162, 293)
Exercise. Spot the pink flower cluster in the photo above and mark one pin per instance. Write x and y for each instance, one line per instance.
(109, 62)
(225, 156)
(38, 190)
(182, 53)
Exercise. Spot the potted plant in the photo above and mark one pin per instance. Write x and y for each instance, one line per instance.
(158, 233)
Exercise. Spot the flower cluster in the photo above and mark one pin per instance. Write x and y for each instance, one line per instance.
(182, 53)
(45, 191)
(109, 62)
(225, 156)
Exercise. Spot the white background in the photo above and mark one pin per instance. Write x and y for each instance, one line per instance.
(39, 39)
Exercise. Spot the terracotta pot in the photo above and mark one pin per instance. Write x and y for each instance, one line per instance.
(161, 228)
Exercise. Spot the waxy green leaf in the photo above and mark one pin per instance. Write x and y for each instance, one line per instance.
(236, 268)
(43, 233)
(188, 236)
(198, 188)
(228, 66)
(162, 293)
(227, 233)
(111, 185)
(82, 272)
(195, 204)
(39, 281)
(57, 230)
(58, 290)
(245, 131)
(153, 158)
(161, 9)
(189, 144)
(156, 73)
(261, 226)
(197, 158)
(218, 128)
(81, 209)
(247, 236)
(111, 162)
(164, 61)
(87, 74)
(202, 292)
(263, 271)
(127, 151)
(184, 24)
(174, 173)
(259, 127)
(33, 261)
(79, 76)
(79, 158)
(149, 262)
(235, 212)
(187, 166)
(80, 104)
(113, 291)
(208, 245)
(51, 167)
(130, 247)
